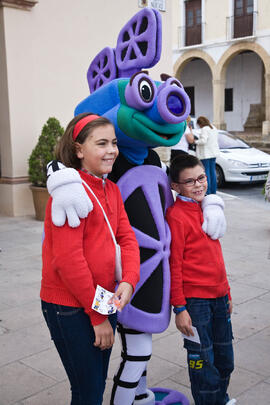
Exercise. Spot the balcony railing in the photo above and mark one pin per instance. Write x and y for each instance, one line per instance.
(195, 38)
(242, 26)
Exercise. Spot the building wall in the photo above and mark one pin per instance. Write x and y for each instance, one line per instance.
(44, 57)
(244, 71)
(215, 20)
(263, 14)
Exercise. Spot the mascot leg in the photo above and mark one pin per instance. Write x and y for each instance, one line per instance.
(130, 380)
(143, 395)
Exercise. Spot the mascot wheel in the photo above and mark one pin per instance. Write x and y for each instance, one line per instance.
(102, 69)
(139, 42)
(164, 396)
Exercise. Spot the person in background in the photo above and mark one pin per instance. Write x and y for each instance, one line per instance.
(183, 145)
(76, 260)
(207, 150)
(200, 291)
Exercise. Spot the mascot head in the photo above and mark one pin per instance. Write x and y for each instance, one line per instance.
(145, 113)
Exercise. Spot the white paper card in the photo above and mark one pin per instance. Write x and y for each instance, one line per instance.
(100, 302)
(195, 338)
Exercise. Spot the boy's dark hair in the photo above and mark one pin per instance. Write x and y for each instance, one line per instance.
(182, 162)
(66, 148)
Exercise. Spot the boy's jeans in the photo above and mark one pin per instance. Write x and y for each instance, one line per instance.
(85, 364)
(211, 362)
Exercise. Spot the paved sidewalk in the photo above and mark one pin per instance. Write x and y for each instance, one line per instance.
(30, 371)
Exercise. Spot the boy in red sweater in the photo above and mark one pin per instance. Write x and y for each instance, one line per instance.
(76, 260)
(200, 291)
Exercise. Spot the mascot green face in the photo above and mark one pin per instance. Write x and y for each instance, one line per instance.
(152, 112)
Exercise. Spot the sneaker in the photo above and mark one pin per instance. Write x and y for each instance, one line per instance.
(231, 402)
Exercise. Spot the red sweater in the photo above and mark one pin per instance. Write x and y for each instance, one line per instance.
(196, 261)
(75, 260)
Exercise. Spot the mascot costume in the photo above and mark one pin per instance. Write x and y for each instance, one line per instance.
(146, 114)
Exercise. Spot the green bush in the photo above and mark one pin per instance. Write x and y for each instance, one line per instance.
(44, 151)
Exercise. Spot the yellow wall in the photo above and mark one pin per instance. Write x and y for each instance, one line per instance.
(215, 17)
(263, 21)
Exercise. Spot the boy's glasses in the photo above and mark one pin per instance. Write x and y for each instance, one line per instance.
(191, 182)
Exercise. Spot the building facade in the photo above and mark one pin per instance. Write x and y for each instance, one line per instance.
(219, 49)
(221, 54)
(46, 47)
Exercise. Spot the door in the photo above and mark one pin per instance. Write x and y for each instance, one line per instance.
(243, 18)
(193, 22)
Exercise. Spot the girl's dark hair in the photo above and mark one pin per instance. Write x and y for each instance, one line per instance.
(204, 122)
(66, 148)
(182, 162)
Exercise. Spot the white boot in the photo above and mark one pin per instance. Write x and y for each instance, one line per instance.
(150, 400)
(231, 402)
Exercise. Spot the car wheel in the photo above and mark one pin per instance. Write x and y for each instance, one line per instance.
(220, 176)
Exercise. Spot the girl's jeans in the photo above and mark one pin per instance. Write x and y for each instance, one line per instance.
(210, 171)
(85, 364)
(211, 362)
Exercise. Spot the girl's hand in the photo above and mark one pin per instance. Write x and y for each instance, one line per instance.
(230, 307)
(183, 323)
(104, 335)
(122, 295)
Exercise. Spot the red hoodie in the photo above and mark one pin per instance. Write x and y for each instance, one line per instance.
(196, 261)
(75, 260)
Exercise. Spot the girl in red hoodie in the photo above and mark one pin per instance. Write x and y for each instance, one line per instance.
(76, 260)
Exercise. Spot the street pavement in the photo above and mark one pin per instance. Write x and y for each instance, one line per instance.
(30, 371)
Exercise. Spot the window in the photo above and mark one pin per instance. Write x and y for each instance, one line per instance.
(191, 93)
(189, 18)
(239, 7)
(249, 6)
(228, 99)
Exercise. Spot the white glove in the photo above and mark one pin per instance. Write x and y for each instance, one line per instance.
(214, 223)
(69, 197)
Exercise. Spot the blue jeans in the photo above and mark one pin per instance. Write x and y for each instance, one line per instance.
(211, 362)
(85, 364)
(210, 170)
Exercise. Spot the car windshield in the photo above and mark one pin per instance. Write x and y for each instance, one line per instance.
(229, 141)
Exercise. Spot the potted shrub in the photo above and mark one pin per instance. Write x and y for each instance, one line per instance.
(41, 155)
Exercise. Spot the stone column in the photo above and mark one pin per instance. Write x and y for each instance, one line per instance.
(266, 123)
(218, 103)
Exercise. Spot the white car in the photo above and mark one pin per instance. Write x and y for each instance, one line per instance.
(239, 162)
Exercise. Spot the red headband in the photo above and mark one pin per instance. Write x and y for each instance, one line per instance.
(82, 123)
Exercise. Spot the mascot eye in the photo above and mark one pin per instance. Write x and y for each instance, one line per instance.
(140, 92)
(146, 90)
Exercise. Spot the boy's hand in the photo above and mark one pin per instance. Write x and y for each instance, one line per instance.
(230, 307)
(122, 295)
(183, 323)
(104, 335)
